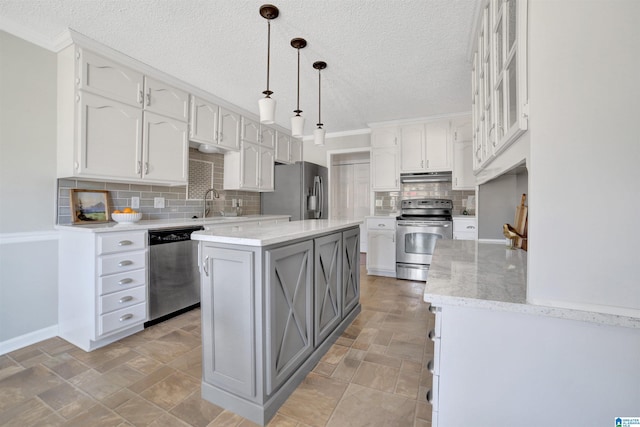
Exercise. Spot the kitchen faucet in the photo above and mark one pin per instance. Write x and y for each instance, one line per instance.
(205, 210)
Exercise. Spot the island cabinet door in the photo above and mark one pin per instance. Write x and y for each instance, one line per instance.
(328, 285)
(228, 331)
(350, 270)
(288, 310)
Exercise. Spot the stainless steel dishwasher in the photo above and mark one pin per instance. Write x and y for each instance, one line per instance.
(174, 279)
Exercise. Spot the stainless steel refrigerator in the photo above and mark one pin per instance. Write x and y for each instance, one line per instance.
(300, 191)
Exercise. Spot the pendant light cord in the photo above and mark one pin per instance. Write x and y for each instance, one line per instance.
(268, 92)
(298, 100)
(319, 101)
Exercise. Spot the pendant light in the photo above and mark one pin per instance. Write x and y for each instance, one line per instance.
(318, 133)
(297, 121)
(267, 105)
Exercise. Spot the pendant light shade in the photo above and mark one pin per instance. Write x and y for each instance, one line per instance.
(318, 133)
(267, 105)
(297, 121)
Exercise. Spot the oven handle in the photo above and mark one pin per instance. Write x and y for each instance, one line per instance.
(422, 224)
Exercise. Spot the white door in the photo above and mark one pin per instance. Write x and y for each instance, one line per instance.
(166, 149)
(463, 177)
(384, 169)
(381, 251)
(295, 149)
(361, 190)
(384, 137)
(110, 140)
(250, 131)
(268, 137)
(283, 148)
(341, 191)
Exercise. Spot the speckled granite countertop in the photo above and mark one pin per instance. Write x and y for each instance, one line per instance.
(489, 275)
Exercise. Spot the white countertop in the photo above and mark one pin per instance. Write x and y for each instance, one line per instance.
(269, 234)
(167, 223)
(489, 275)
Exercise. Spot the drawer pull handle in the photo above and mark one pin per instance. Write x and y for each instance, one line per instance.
(125, 281)
(430, 396)
(124, 263)
(381, 225)
(125, 299)
(125, 243)
(430, 366)
(471, 227)
(432, 309)
(126, 317)
(432, 335)
(204, 265)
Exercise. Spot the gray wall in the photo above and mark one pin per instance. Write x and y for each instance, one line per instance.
(28, 247)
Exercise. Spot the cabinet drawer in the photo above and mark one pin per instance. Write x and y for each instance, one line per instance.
(121, 281)
(119, 242)
(122, 299)
(120, 319)
(116, 263)
(466, 225)
(382, 223)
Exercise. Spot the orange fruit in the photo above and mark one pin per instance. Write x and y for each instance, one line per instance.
(116, 211)
(127, 210)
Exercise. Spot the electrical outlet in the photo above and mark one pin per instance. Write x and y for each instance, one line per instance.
(158, 202)
(135, 202)
(378, 203)
(240, 202)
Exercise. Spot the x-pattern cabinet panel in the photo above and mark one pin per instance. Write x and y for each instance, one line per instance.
(289, 322)
(350, 269)
(328, 289)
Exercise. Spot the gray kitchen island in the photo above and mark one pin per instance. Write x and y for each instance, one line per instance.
(274, 299)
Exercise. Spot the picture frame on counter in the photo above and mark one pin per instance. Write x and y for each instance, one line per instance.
(89, 206)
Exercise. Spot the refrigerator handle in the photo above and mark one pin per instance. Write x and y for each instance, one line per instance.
(321, 197)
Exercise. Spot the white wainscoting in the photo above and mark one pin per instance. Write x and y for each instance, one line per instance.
(28, 288)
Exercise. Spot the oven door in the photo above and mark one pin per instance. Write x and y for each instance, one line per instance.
(416, 240)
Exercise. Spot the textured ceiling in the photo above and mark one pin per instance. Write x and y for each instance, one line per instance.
(387, 59)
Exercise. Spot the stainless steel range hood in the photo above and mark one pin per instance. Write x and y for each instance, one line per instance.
(425, 177)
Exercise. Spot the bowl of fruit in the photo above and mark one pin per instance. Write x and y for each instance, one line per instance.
(126, 216)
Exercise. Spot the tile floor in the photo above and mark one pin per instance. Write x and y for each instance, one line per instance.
(374, 375)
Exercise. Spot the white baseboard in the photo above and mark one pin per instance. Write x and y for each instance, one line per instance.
(28, 339)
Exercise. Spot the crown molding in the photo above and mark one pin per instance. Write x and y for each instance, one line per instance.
(415, 120)
(364, 131)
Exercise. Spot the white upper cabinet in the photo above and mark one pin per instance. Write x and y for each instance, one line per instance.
(250, 169)
(295, 150)
(229, 129)
(167, 100)
(265, 171)
(110, 138)
(462, 135)
(425, 147)
(250, 131)
(211, 124)
(499, 79)
(164, 144)
(107, 78)
(384, 137)
(267, 137)
(385, 159)
(288, 149)
(102, 122)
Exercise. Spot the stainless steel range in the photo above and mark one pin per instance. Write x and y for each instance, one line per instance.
(421, 223)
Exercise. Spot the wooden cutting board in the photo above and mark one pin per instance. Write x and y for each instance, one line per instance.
(520, 223)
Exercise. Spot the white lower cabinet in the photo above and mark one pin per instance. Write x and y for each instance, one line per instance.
(102, 295)
(465, 228)
(270, 313)
(381, 246)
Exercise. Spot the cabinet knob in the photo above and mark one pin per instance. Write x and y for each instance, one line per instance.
(124, 263)
(125, 299)
(125, 281)
(430, 366)
(126, 317)
(432, 309)
(429, 396)
(432, 335)
(125, 243)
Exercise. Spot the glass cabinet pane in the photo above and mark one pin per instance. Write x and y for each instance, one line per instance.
(499, 46)
(499, 130)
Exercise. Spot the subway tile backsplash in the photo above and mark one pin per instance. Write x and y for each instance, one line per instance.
(436, 190)
(177, 205)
